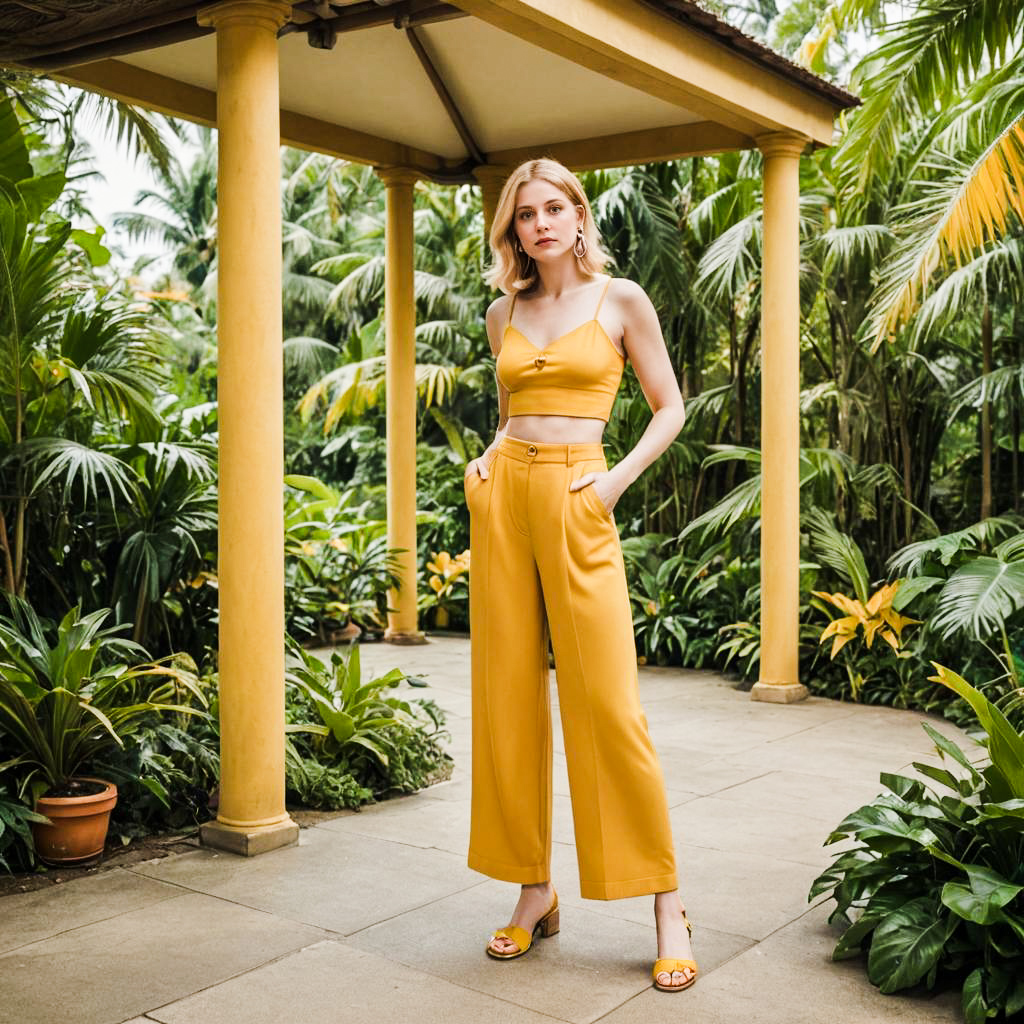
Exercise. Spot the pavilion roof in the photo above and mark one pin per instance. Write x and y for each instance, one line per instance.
(445, 87)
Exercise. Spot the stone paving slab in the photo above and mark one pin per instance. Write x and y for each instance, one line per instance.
(330, 983)
(787, 978)
(332, 880)
(117, 968)
(29, 917)
(590, 967)
(801, 793)
(714, 823)
(376, 917)
(420, 821)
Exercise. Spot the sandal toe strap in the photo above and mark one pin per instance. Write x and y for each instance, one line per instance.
(520, 936)
(667, 966)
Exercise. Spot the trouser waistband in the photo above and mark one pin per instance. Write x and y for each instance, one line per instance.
(546, 451)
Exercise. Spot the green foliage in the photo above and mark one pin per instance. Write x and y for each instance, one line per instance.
(324, 787)
(15, 833)
(382, 743)
(339, 568)
(934, 876)
(65, 698)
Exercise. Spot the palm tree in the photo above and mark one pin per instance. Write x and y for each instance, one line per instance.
(67, 363)
(187, 197)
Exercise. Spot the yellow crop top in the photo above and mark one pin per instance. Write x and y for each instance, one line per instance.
(577, 374)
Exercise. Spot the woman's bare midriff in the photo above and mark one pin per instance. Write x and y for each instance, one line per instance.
(556, 429)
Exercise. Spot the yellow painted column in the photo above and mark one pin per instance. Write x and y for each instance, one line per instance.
(490, 178)
(251, 816)
(780, 422)
(400, 330)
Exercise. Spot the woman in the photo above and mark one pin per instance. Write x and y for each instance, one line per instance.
(546, 557)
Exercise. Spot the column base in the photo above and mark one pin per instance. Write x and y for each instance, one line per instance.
(248, 842)
(405, 637)
(779, 693)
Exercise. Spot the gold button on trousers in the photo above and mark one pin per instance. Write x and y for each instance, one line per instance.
(545, 558)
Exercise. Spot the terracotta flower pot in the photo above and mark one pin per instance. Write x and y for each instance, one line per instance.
(79, 827)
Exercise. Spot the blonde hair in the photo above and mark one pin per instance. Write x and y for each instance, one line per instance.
(513, 270)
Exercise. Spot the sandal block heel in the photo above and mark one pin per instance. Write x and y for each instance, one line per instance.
(548, 924)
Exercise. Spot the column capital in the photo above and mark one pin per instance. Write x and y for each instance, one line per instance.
(270, 14)
(781, 144)
(395, 175)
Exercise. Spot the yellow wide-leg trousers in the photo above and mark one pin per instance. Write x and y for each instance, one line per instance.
(543, 558)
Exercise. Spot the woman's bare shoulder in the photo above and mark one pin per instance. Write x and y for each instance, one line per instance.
(626, 292)
(499, 307)
(495, 318)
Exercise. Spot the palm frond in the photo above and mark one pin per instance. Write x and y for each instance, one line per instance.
(912, 559)
(732, 260)
(440, 335)
(992, 387)
(917, 68)
(304, 293)
(959, 213)
(436, 382)
(843, 246)
(138, 130)
(979, 597)
(305, 357)
(1000, 268)
(838, 551)
(437, 296)
(721, 209)
(347, 389)
(68, 463)
(742, 502)
(361, 287)
(195, 461)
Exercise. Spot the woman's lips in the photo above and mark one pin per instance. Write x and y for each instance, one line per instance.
(546, 241)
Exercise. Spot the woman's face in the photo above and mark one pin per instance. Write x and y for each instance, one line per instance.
(545, 220)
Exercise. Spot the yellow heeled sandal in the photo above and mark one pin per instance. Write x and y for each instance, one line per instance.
(666, 965)
(548, 926)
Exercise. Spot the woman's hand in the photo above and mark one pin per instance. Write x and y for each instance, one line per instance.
(608, 486)
(480, 465)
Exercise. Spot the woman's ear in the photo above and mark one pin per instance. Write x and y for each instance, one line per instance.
(581, 215)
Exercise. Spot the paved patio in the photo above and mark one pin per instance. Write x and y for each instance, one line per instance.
(374, 917)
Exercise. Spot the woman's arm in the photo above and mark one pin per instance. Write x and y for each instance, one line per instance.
(646, 349)
(497, 314)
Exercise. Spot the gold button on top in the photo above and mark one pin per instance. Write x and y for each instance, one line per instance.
(539, 361)
(532, 450)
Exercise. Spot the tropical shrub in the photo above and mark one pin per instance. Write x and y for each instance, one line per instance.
(364, 744)
(339, 568)
(970, 584)
(168, 771)
(16, 840)
(446, 591)
(935, 876)
(866, 621)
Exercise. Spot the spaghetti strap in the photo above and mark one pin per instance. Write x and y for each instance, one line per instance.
(511, 309)
(604, 291)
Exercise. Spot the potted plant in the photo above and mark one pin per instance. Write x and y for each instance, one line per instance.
(60, 707)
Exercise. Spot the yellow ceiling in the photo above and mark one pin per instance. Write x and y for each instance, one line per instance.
(510, 93)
